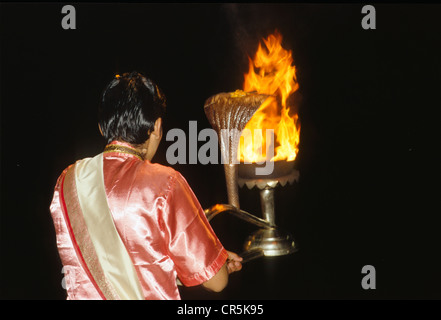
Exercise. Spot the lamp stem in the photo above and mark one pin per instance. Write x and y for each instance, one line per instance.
(267, 203)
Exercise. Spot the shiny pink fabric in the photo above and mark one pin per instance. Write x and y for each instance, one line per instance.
(159, 220)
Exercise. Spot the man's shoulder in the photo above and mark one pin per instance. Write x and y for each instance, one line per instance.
(62, 175)
(158, 169)
(158, 173)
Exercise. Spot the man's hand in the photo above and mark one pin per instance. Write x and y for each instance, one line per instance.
(234, 262)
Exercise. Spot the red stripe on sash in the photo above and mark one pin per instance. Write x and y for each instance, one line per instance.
(75, 244)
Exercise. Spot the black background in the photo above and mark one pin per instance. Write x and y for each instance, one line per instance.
(369, 158)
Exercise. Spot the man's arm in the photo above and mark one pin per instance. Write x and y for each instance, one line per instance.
(220, 280)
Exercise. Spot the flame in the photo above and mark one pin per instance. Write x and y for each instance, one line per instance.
(276, 77)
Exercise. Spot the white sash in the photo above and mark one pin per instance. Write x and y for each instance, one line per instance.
(111, 252)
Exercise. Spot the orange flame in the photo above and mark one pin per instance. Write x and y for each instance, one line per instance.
(276, 77)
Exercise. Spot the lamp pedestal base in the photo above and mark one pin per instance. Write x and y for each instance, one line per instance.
(272, 241)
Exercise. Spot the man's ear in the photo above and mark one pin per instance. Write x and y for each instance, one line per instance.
(157, 131)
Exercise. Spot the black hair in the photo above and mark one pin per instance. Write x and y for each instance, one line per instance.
(129, 107)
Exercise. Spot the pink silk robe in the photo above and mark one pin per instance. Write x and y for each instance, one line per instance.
(160, 222)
